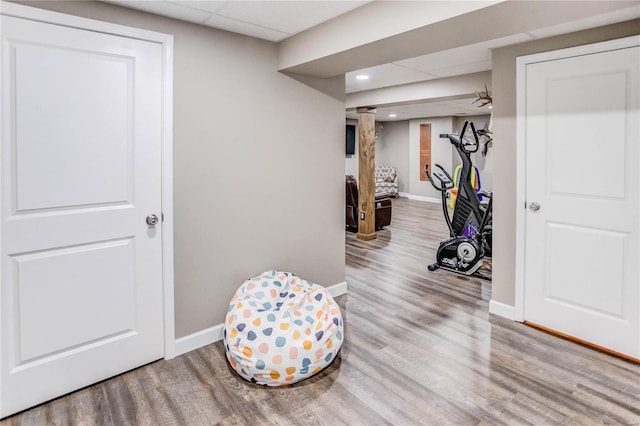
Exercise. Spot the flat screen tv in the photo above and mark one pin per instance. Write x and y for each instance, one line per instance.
(351, 139)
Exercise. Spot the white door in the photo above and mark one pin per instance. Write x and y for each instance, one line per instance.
(582, 159)
(81, 284)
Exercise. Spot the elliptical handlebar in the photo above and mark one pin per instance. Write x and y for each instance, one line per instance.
(459, 141)
(446, 181)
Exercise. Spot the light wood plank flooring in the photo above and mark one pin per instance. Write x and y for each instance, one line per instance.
(420, 348)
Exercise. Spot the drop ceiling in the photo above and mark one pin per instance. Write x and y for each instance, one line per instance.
(276, 20)
(271, 20)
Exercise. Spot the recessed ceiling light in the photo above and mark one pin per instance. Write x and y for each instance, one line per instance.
(393, 115)
(362, 77)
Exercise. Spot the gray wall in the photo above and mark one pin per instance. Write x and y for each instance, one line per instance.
(392, 149)
(258, 162)
(504, 132)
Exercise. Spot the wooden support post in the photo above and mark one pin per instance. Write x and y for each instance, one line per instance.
(366, 177)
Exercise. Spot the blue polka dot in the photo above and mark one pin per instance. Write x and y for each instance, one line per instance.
(336, 321)
(319, 335)
(309, 319)
(271, 318)
(339, 335)
(251, 335)
(304, 370)
(259, 295)
(284, 294)
(318, 297)
(328, 357)
(280, 342)
(241, 326)
(266, 305)
(260, 364)
(267, 331)
(297, 322)
(310, 307)
(306, 362)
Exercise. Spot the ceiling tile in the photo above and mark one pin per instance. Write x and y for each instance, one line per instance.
(166, 8)
(287, 16)
(232, 25)
(463, 69)
(384, 76)
(207, 6)
(447, 58)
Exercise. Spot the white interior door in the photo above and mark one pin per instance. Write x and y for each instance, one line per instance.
(81, 283)
(582, 159)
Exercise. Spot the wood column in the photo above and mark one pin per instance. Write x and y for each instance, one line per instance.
(366, 175)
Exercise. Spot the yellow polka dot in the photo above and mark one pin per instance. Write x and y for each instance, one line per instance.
(296, 335)
(329, 343)
(319, 325)
(290, 370)
(316, 370)
(239, 305)
(289, 378)
(247, 352)
(319, 314)
(306, 344)
(284, 326)
(274, 375)
(256, 321)
(233, 333)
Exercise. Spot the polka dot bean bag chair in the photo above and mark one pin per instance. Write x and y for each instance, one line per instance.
(281, 329)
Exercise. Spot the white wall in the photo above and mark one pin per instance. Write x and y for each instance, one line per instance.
(258, 162)
(392, 149)
(440, 153)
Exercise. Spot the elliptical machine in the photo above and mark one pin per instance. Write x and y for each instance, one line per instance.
(470, 228)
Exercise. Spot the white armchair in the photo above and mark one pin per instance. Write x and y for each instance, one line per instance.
(386, 181)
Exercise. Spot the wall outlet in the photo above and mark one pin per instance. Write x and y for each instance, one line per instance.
(361, 215)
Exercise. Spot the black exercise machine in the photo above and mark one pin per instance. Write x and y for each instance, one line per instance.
(470, 228)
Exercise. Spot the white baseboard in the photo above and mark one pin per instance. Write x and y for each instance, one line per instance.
(502, 310)
(425, 199)
(338, 289)
(213, 334)
(199, 339)
(403, 194)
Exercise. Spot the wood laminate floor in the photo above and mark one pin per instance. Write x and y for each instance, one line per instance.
(420, 348)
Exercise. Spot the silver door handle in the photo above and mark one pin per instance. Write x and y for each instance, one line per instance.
(534, 207)
(152, 220)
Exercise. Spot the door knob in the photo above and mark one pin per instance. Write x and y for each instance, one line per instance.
(152, 220)
(534, 207)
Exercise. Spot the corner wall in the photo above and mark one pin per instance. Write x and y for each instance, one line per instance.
(258, 165)
(504, 133)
